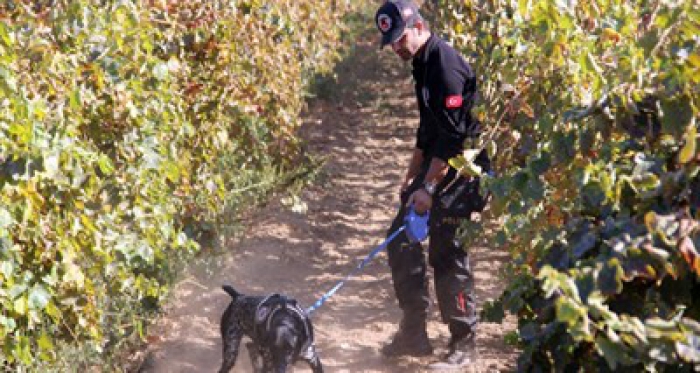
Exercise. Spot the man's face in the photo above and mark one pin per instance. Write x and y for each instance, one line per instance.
(405, 47)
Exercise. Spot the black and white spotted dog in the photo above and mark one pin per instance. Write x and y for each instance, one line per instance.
(279, 330)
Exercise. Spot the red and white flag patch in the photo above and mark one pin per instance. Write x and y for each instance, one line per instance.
(453, 102)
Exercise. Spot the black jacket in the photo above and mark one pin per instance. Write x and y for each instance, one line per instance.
(445, 86)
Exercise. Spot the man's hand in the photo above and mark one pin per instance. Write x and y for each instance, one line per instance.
(421, 201)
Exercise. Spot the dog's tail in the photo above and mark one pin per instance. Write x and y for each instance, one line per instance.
(231, 291)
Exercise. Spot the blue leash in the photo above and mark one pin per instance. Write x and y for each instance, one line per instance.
(416, 227)
(357, 269)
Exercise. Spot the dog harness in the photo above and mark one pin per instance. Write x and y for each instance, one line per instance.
(265, 312)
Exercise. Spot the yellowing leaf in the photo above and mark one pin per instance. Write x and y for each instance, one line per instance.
(45, 343)
(612, 35)
(20, 305)
(74, 100)
(73, 275)
(524, 8)
(687, 153)
(457, 162)
(5, 35)
(527, 109)
(650, 221)
(53, 311)
(105, 164)
(694, 60)
(87, 222)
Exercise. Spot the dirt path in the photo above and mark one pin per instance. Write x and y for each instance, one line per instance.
(366, 132)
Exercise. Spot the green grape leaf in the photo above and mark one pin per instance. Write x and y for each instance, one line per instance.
(569, 312)
(610, 277)
(677, 114)
(6, 220)
(615, 354)
(45, 343)
(583, 244)
(5, 35)
(38, 297)
(541, 164)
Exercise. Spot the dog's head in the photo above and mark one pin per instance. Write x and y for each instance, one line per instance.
(286, 325)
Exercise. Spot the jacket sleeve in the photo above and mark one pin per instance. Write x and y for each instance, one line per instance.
(453, 108)
(425, 135)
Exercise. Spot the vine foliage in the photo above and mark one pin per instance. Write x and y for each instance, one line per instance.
(126, 129)
(591, 110)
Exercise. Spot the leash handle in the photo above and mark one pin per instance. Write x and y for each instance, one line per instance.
(359, 267)
(416, 225)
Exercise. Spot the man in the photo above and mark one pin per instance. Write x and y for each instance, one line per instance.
(445, 87)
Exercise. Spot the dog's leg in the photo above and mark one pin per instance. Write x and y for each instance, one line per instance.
(268, 366)
(232, 340)
(316, 365)
(311, 357)
(255, 356)
(280, 364)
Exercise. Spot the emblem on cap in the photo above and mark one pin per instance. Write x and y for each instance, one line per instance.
(384, 22)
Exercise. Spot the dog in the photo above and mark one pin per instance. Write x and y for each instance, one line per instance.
(280, 332)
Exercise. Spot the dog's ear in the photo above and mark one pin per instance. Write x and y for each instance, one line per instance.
(231, 291)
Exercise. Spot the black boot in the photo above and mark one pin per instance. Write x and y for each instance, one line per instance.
(462, 354)
(410, 340)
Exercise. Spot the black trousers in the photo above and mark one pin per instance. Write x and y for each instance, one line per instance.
(454, 281)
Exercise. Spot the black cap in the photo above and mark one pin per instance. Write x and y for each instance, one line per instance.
(393, 17)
